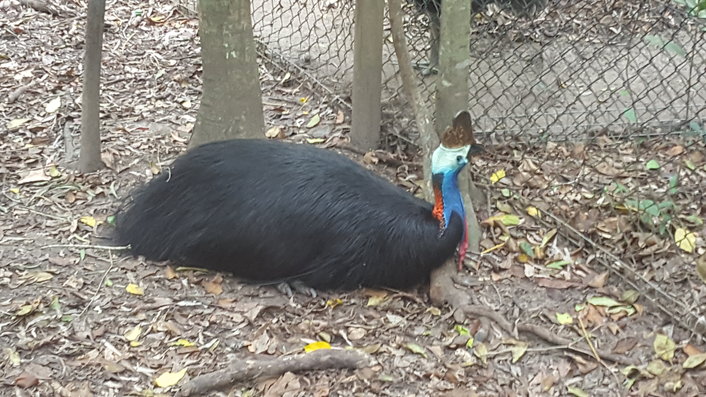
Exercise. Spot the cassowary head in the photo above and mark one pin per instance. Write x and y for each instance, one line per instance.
(457, 144)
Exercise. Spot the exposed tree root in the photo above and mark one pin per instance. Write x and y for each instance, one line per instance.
(253, 368)
(540, 332)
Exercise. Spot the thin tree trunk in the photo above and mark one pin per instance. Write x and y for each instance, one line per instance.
(90, 157)
(452, 96)
(367, 73)
(428, 140)
(231, 106)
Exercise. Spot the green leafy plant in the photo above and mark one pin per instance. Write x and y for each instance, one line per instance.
(655, 215)
(695, 8)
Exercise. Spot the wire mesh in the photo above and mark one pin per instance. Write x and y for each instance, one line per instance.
(312, 38)
(567, 70)
(596, 109)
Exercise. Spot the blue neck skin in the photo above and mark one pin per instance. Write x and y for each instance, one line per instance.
(450, 195)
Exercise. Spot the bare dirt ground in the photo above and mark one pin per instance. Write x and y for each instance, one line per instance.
(77, 319)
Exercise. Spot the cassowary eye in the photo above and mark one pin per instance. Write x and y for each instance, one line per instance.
(459, 159)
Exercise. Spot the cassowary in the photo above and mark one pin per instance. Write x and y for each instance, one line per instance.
(274, 212)
(432, 8)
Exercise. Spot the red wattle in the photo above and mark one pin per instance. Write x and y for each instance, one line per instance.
(463, 247)
(438, 211)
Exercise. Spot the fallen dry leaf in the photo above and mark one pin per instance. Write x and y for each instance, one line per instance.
(664, 347)
(34, 176)
(316, 346)
(274, 133)
(694, 361)
(691, 350)
(53, 105)
(334, 302)
(26, 380)
(213, 286)
(133, 333)
(625, 345)
(497, 176)
(599, 280)
(169, 273)
(416, 349)
(370, 158)
(685, 239)
(88, 221)
(556, 283)
(169, 378)
(314, 121)
(15, 124)
(675, 150)
(134, 289)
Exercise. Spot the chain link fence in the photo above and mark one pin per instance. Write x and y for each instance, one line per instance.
(311, 39)
(540, 70)
(594, 109)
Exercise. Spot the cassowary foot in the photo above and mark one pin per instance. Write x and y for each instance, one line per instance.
(288, 288)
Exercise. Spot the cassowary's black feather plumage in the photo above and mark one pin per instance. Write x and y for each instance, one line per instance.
(269, 212)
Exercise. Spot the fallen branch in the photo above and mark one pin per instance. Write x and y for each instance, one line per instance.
(541, 333)
(253, 368)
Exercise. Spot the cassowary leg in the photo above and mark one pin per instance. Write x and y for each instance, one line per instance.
(288, 288)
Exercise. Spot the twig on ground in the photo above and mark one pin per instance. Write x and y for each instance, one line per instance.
(14, 95)
(596, 355)
(100, 284)
(253, 368)
(588, 341)
(541, 333)
(88, 246)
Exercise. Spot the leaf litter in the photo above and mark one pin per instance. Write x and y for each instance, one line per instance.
(121, 326)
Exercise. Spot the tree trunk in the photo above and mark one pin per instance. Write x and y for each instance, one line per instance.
(231, 106)
(452, 97)
(428, 140)
(367, 73)
(90, 156)
(454, 62)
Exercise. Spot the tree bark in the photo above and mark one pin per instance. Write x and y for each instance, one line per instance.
(231, 106)
(428, 140)
(452, 96)
(367, 73)
(90, 156)
(245, 369)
